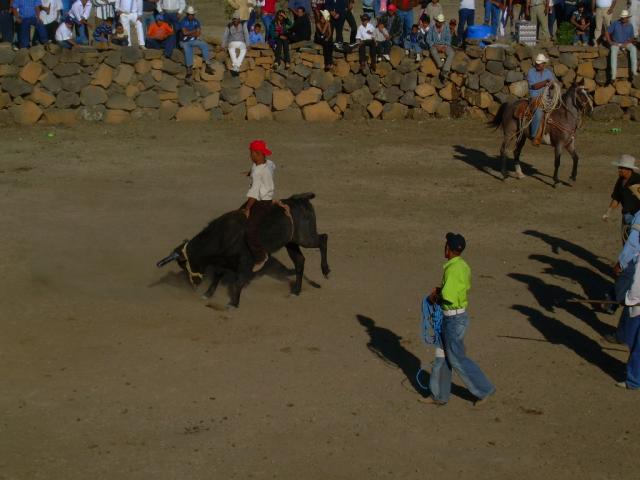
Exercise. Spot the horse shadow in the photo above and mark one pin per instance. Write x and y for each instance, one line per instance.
(386, 345)
(492, 166)
(574, 249)
(558, 333)
(549, 297)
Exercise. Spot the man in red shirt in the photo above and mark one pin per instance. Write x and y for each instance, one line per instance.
(160, 35)
(268, 14)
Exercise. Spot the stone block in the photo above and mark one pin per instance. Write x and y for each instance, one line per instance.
(16, 87)
(67, 69)
(292, 115)
(94, 113)
(26, 113)
(259, 112)
(123, 74)
(148, 99)
(67, 100)
(608, 112)
(394, 111)
(31, 72)
(586, 70)
(41, 97)
(282, 99)
(120, 102)
(319, 112)
(75, 83)
(192, 113)
(604, 94)
(115, 117)
(375, 109)
(495, 53)
(308, 96)
(103, 76)
(93, 95)
(425, 90)
(55, 116)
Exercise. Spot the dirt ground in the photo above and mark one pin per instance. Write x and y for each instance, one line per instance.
(112, 368)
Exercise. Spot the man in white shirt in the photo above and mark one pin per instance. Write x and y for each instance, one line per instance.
(172, 11)
(604, 15)
(50, 15)
(131, 13)
(64, 34)
(80, 13)
(364, 37)
(259, 199)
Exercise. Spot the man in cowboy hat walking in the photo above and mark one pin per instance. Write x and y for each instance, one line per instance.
(259, 199)
(620, 36)
(538, 77)
(452, 297)
(622, 195)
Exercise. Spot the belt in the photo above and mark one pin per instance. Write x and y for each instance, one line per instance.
(451, 313)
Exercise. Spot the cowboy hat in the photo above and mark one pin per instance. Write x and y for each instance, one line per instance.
(625, 14)
(541, 58)
(626, 161)
(190, 10)
(440, 18)
(235, 15)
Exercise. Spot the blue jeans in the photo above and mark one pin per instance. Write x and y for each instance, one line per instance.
(487, 11)
(172, 19)
(6, 26)
(495, 18)
(466, 17)
(629, 333)
(536, 121)
(412, 46)
(453, 332)
(267, 20)
(407, 21)
(65, 44)
(582, 37)
(24, 29)
(82, 34)
(188, 51)
(168, 44)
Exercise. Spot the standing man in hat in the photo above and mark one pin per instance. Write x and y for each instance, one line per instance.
(259, 199)
(538, 11)
(452, 297)
(603, 11)
(622, 195)
(538, 77)
(620, 36)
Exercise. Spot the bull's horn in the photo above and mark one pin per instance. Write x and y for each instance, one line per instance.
(169, 259)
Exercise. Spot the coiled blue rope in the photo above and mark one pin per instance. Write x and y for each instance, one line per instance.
(431, 327)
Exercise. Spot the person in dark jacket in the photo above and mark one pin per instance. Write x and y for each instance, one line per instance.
(278, 35)
(340, 11)
(393, 24)
(301, 29)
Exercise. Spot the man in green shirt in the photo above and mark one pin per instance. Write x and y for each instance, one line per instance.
(452, 297)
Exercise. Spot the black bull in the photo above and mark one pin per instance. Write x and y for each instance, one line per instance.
(222, 246)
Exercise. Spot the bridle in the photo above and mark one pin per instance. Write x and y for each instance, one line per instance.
(580, 109)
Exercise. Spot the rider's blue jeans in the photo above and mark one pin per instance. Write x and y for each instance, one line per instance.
(535, 122)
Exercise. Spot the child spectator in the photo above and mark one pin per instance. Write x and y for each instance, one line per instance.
(120, 37)
(65, 37)
(581, 20)
(256, 36)
(364, 37)
(383, 40)
(103, 32)
(412, 42)
(453, 28)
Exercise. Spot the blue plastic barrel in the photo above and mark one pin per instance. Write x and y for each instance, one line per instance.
(478, 31)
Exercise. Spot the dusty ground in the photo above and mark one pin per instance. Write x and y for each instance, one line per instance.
(112, 368)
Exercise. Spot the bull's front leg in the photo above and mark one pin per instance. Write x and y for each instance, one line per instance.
(215, 280)
(242, 277)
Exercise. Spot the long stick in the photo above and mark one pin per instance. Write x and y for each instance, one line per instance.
(589, 301)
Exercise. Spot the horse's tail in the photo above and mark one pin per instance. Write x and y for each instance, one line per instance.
(497, 120)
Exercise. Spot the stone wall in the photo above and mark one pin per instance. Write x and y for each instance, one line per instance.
(47, 85)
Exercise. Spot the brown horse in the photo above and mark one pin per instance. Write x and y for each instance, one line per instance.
(562, 124)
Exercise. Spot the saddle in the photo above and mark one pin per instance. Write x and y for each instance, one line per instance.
(523, 111)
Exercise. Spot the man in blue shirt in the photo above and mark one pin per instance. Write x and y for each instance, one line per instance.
(27, 14)
(538, 77)
(190, 39)
(620, 36)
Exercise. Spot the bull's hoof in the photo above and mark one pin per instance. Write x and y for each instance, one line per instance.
(505, 176)
(326, 272)
(232, 305)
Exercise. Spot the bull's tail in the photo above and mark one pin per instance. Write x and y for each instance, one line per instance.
(497, 120)
(303, 196)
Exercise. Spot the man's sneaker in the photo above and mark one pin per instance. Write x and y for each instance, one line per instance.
(432, 401)
(386, 57)
(258, 265)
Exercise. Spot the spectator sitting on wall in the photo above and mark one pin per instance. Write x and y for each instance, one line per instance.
(190, 38)
(364, 37)
(80, 13)
(161, 35)
(620, 36)
(120, 37)
(393, 24)
(279, 38)
(65, 36)
(324, 37)
(582, 21)
(383, 41)
(301, 29)
(413, 41)
(103, 32)
(236, 39)
(439, 41)
(256, 36)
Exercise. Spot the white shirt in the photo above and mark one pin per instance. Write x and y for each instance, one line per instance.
(365, 32)
(603, 3)
(171, 6)
(470, 4)
(129, 6)
(80, 12)
(262, 186)
(54, 11)
(632, 297)
(63, 33)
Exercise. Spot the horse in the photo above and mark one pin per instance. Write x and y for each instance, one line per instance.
(561, 126)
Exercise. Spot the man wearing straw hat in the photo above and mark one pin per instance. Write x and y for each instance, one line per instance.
(620, 36)
(622, 195)
(439, 42)
(538, 78)
(190, 38)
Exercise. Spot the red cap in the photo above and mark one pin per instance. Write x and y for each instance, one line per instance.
(260, 146)
(392, 8)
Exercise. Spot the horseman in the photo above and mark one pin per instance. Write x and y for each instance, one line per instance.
(538, 77)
